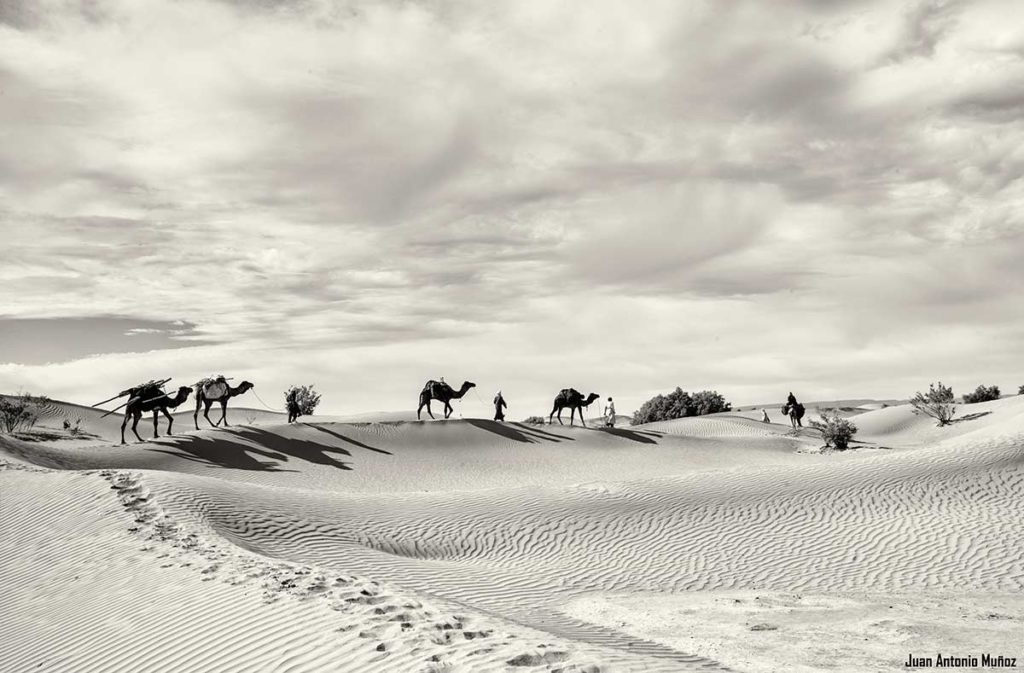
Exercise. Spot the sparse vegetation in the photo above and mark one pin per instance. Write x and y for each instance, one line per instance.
(19, 412)
(306, 398)
(982, 394)
(74, 428)
(1020, 391)
(938, 403)
(835, 430)
(535, 420)
(679, 404)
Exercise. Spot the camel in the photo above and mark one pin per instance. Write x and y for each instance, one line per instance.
(155, 400)
(209, 391)
(572, 398)
(795, 412)
(441, 391)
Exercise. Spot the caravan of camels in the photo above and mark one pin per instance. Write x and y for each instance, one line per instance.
(151, 397)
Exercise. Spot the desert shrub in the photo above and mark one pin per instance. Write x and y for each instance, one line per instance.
(709, 402)
(982, 394)
(1020, 391)
(835, 430)
(73, 428)
(679, 404)
(305, 397)
(19, 412)
(535, 420)
(937, 403)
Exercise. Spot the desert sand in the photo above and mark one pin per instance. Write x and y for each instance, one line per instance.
(709, 543)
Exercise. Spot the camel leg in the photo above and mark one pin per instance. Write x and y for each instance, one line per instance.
(124, 424)
(195, 415)
(156, 415)
(583, 422)
(170, 420)
(552, 414)
(429, 411)
(448, 409)
(136, 417)
(223, 412)
(206, 412)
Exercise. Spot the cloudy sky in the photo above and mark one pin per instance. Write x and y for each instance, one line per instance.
(623, 197)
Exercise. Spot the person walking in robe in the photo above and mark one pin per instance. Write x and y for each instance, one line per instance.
(764, 416)
(609, 414)
(292, 402)
(499, 407)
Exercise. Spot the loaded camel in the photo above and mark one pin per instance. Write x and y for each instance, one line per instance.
(213, 390)
(795, 413)
(441, 391)
(152, 399)
(572, 398)
(794, 410)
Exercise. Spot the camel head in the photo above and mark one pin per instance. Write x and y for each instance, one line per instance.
(590, 398)
(244, 387)
(183, 393)
(466, 385)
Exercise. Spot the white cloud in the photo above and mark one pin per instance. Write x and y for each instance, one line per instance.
(731, 195)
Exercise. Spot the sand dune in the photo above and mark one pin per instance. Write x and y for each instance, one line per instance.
(471, 545)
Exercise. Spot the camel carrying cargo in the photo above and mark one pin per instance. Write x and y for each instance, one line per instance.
(146, 391)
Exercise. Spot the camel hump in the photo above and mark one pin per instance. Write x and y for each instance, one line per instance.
(146, 390)
(435, 388)
(213, 387)
(569, 392)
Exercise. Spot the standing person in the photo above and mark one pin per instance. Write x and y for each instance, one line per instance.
(791, 400)
(499, 406)
(609, 414)
(292, 402)
(764, 416)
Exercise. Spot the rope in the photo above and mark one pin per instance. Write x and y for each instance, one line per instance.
(269, 408)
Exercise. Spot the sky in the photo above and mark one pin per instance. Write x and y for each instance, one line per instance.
(621, 197)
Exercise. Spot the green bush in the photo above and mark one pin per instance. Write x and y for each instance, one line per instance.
(835, 430)
(679, 404)
(982, 394)
(938, 403)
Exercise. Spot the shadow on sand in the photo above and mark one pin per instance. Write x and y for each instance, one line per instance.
(502, 430)
(218, 453)
(641, 436)
(346, 439)
(222, 451)
(970, 417)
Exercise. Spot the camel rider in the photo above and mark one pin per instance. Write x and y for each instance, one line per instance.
(499, 407)
(791, 400)
(609, 413)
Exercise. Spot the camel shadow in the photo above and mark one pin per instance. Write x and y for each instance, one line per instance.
(218, 453)
(311, 452)
(645, 437)
(346, 439)
(535, 431)
(502, 430)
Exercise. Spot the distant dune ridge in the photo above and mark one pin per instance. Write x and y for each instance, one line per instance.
(705, 543)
